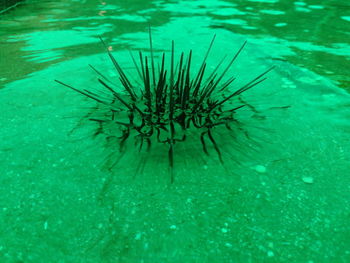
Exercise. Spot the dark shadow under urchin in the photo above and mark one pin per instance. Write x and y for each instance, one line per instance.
(170, 105)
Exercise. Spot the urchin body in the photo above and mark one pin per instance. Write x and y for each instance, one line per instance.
(168, 105)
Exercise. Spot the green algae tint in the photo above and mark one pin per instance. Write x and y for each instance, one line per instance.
(283, 198)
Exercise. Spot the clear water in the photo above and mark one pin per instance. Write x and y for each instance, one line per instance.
(286, 200)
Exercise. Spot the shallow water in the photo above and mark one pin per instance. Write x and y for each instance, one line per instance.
(285, 200)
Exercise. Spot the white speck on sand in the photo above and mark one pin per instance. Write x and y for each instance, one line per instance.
(228, 244)
(260, 169)
(138, 236)
(308, 179)
(224, 230)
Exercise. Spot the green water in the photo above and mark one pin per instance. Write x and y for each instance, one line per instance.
(285, 198)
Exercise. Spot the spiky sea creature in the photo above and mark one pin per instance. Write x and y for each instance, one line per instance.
(170, 103)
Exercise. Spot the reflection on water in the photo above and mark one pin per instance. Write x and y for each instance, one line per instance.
(44, 32)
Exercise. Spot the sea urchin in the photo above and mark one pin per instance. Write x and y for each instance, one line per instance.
(168, 104)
